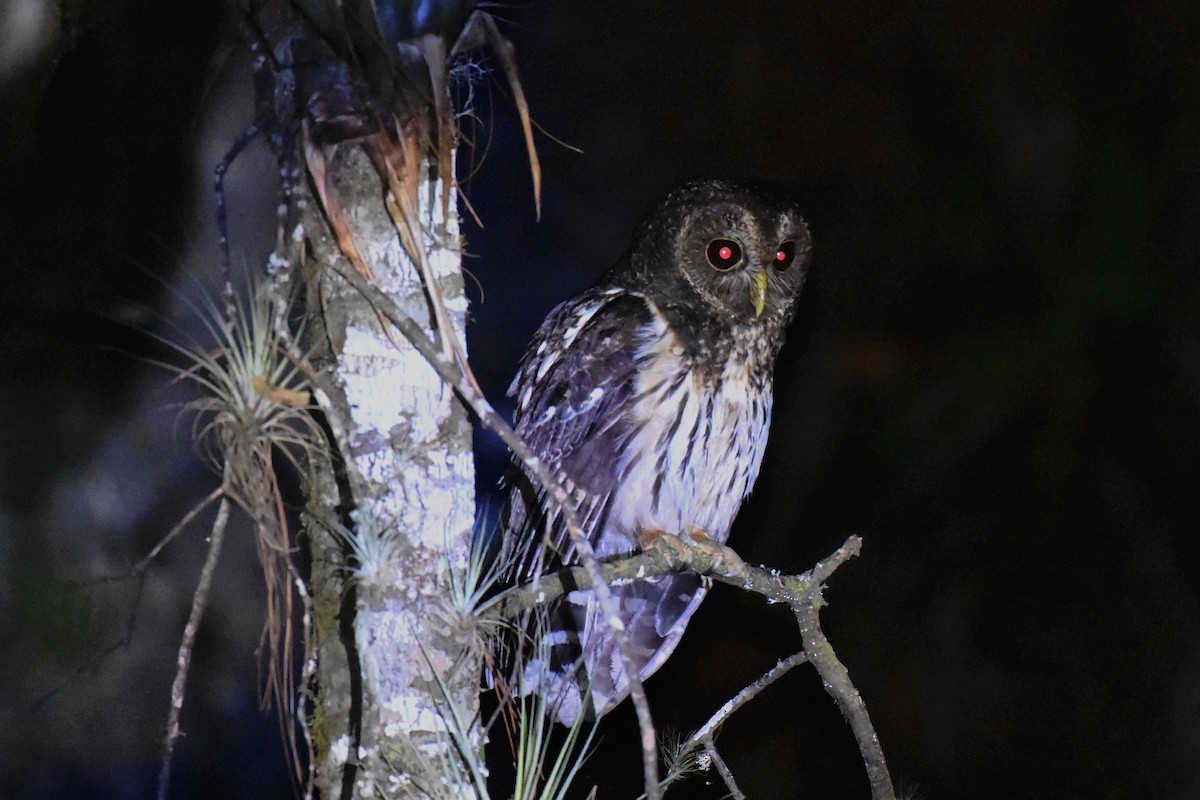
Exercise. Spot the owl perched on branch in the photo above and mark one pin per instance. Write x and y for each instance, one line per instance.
(649, 397)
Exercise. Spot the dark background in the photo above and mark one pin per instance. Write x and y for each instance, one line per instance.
(994, 377)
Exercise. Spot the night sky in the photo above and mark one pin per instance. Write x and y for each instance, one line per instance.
(993, 377)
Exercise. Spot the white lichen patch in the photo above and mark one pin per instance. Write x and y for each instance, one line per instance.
(339, 750)
(384, 384)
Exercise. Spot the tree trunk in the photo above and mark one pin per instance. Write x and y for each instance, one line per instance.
(395, 711)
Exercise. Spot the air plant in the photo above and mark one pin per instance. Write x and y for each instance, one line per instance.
(254, 404)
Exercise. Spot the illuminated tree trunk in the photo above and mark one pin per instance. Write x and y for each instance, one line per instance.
(395, 714)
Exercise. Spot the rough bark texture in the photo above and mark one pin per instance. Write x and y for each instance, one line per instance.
(397, 673)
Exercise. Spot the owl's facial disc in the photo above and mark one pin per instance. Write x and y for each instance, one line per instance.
(733, 252)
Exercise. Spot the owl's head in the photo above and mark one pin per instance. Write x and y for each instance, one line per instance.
(739, 251)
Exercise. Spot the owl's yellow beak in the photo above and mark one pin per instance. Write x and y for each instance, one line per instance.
(758, 291)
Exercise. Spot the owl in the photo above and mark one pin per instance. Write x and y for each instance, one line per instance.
(649, 398)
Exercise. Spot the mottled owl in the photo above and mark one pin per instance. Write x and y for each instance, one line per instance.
(649, 398)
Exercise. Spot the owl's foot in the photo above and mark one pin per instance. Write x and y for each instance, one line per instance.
(665, 542)
(724, 559)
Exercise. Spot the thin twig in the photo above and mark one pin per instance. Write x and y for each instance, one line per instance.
(709, 729)
(705, 736)
(144, 564)
(138, 573)
(828, 565)
(450, 372)
(710, 747)
(184, 659)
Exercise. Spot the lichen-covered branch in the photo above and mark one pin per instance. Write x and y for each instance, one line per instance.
(801, 592)
(773, 586)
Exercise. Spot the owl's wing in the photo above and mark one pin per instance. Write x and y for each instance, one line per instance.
(573, 395)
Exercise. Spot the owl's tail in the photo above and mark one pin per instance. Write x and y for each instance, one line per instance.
(575, 663)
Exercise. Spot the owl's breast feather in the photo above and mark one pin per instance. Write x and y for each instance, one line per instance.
(695, 441)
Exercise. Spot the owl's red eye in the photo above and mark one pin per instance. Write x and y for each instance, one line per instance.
(723, 254)
(784, 255)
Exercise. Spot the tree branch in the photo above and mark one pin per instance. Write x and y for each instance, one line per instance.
(801, 592)
(837, 683)
(774, 587)
(709, 729)
(184, 659)
(710, 748)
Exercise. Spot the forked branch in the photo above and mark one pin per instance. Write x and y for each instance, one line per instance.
(801, 592)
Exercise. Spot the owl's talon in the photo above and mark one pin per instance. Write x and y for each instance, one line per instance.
(664, 542)
(724, 559)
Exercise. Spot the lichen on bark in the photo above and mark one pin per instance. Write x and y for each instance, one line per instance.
(404, 467)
